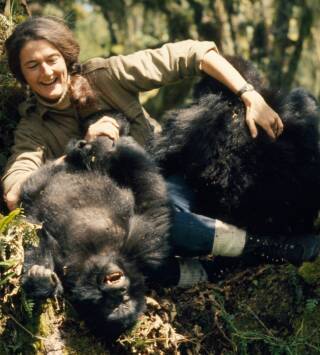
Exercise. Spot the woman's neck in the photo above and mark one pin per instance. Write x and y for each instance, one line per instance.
(62, 103)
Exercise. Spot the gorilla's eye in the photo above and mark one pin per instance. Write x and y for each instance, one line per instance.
(114, 278)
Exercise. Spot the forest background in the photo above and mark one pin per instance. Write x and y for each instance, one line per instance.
(282, 38)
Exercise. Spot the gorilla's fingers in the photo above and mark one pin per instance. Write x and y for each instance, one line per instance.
(40, 271)
(41, 282)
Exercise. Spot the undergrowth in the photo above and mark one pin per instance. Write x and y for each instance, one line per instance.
(15, 235)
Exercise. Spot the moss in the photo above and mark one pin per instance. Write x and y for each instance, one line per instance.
(310, 272)
(84, 345)
(52, 329)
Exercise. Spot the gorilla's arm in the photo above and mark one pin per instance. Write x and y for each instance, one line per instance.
(130, 166)
(36, 182)
(39, 279)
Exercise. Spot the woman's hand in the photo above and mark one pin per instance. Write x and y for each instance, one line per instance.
(60, 160)
(12, 197)
(106, 126)
(258, 112)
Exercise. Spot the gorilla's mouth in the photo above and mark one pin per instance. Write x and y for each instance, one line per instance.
(114, 278)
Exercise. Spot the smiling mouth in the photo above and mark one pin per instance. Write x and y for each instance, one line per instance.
(50, 83)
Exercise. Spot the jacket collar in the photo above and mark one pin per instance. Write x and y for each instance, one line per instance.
(32, 105)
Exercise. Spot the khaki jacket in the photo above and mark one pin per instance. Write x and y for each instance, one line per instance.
(43, 132)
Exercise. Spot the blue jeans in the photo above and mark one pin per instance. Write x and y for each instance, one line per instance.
(191, 234)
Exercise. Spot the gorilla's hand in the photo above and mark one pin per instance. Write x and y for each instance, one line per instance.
(41, 282)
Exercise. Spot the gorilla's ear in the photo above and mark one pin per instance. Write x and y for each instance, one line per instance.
(146, 244)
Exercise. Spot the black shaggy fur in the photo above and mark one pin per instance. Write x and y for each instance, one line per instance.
(105, 219)
(262, 185)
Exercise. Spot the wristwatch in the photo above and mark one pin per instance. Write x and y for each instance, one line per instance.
(246, 87)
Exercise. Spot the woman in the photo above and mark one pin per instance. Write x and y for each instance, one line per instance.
(43, 55)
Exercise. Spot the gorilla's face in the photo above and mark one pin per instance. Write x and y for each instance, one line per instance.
(108, 290)
(102, 282)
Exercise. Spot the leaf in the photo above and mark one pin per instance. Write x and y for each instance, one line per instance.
(8, 263)
(5, 221)
(3, 281)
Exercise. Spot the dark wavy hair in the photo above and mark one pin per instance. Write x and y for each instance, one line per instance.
(55, 31)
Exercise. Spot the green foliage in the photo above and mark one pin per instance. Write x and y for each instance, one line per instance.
(15, 234)
(311, 305)
(92, 25)
(310, 272)
(255, 335)
(28, 305)
(11, 94)
(6, 220)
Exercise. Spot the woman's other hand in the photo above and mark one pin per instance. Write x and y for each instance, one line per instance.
(105, 126)
(258, 112)
(12, 197)
(60, 160)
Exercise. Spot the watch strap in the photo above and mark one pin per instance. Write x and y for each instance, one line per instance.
(246, 87)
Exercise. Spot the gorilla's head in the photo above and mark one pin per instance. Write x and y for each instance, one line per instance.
(105, 286)
(108, 292)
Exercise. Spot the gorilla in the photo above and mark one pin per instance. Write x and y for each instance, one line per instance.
(261, 185)
(105, 219)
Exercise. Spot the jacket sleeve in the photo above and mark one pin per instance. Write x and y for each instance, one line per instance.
(27, 155)
(153, 68)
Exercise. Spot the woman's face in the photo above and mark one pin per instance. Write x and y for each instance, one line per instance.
(44, 69)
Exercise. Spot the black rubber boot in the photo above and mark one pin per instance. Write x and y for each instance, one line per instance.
(220, 267)
(294, 250)
(167, 275)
